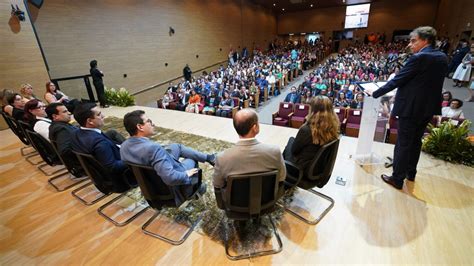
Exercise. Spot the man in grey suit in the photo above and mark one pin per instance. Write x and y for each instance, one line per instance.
(139, 149)
(248, 155)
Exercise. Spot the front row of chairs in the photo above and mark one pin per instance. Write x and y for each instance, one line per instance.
(245, 197)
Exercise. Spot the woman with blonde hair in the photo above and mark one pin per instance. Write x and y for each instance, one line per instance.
(321, 127)
(26, 91)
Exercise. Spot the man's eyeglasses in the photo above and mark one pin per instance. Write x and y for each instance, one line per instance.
(148, 121)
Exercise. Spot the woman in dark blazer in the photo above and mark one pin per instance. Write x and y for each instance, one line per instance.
(98, 83)
(321, 127)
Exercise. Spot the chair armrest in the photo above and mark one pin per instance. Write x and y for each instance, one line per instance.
(293, 174)
(234, 111)
(290, 115)
(246, 103)
(274, 115)
(219, 200)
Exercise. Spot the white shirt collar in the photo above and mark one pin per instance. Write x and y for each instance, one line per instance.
(92, 129)
(44, 119)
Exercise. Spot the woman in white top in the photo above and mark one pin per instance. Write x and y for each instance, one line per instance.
(463, 71)
(453, 110)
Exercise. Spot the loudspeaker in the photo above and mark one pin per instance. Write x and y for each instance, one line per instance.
(37, 3)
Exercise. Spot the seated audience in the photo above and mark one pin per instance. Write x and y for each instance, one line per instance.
(26, 91)
(6, 107)
(293, 96)
(140, 149)
(447, 96)
(89, 139)
(453, 110)
(193, 103)
(15, 100)
(61, 131)
(53, 95)
(225, 106)
(36, 116)
(358, 103)
(211, 103)
(248, 155)
(341, 100)
(321, 127)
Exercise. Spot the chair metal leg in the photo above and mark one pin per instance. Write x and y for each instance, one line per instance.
(43, 166)
(75, 181)
(321, 216)
(257, 253)
(99, 195)
(142, 208)
(36, 155)
(168, 240)
(23, 153)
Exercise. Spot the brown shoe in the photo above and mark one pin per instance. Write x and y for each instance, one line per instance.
(389, 180)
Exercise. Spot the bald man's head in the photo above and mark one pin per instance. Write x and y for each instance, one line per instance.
(244, 120)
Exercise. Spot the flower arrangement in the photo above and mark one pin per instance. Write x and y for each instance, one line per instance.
(119, 97)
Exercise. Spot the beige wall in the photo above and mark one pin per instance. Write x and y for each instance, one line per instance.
(455, 17)
(21, 60)
(130, 38)
(385, 16)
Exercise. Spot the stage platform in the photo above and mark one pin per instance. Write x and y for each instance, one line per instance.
(430, 221)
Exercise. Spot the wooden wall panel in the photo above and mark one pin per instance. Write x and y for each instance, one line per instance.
(455, 17)
(21, 60)
(130, 38)
(385, 16)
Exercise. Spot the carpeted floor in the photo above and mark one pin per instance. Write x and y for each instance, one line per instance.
(244, 236)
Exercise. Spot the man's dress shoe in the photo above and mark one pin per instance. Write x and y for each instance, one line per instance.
(389, 180)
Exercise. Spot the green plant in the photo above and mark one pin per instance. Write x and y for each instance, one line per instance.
(119, 98)
(449, 143)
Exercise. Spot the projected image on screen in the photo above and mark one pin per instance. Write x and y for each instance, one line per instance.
(357, 16)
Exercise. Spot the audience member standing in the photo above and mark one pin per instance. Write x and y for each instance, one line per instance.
(98, 83)
(187, 73)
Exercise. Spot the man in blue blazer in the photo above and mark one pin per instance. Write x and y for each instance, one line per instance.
(293, 96)
(418, 98)
(90, 139)
(139, 149)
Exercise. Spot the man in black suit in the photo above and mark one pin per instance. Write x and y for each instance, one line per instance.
(61, 131)
(90, 139)
(418, 98)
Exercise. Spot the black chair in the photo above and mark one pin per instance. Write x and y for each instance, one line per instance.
(317, 175)
(107, 183)
(47, 153)
(15, 128)
(76, 175)
(249, 196)
(159, 195)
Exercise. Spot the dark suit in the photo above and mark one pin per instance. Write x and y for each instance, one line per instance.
(61, 132)
(103, 149)
(98, 84)
(301, 150)
(418, 98)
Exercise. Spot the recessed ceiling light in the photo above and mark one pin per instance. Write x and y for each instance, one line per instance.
(282, 9)
(274, 4)
(311, 5)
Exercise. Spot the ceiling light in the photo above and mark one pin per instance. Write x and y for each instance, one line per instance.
(274, 4)
(282, 9)
(311, 5)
